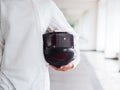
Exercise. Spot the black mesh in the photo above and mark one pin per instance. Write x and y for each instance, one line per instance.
(58, 39)
(58, 48)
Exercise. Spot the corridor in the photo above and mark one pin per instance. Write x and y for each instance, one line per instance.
(93, 73)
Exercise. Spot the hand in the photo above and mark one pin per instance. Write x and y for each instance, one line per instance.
(64, 67)
(51, 29)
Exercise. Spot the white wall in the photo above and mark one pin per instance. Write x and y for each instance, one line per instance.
(83, 14)
(87, 29)
(74, 8)
(99, 33)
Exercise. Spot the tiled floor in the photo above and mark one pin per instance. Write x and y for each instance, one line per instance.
(92, 70)
(106, 70)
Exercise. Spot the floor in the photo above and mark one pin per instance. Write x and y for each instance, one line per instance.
(106, 70)
(93, 73)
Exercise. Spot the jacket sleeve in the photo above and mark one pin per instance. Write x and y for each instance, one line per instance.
(1, 40)
(58, 22)
(1, 46)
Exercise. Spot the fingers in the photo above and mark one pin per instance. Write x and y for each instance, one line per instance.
(67, 67)
(51, 29)
(63, 68)
(54, 67)
(58, 69)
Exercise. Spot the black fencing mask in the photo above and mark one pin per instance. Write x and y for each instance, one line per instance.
(58, 48)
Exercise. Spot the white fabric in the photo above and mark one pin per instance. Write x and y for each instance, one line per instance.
(22, 24)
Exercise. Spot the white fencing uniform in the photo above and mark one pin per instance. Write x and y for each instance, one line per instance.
(22, 63)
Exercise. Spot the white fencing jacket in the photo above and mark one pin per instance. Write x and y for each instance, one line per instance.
(22, 63)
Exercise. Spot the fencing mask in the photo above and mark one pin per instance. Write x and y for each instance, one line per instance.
(58, 48)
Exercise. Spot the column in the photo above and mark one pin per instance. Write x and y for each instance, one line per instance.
(101, 25)
(113, 28)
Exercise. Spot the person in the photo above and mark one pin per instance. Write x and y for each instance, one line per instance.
(22, 63)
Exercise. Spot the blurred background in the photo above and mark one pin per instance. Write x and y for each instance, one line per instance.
(98, 24)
